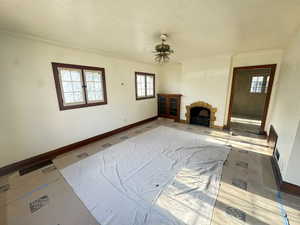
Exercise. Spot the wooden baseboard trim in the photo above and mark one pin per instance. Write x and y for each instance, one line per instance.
(54, 153)
(276, 172)
(290, 188)
(282, 185)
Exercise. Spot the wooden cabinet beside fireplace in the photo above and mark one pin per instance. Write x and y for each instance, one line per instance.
(169, 106)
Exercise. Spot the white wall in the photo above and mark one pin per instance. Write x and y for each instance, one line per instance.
(202, 79)
(170, 79)
(206, 79)
(209, 79)
(286, 113)
(31, 122)
(293, 167)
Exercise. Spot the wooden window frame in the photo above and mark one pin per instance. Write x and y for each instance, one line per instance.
(59, 93)
(136, 90)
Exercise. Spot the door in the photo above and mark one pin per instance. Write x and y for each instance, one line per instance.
(250, 96)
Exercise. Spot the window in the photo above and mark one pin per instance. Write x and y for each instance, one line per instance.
(144, 85)
(79, 86)
(258, 84)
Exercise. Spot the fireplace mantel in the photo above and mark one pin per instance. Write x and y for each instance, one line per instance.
(204, 105)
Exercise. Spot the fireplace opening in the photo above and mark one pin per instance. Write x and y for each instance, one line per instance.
(200, 116)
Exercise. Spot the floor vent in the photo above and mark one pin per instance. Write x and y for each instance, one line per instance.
(106, 145)
(124, 137)
(38, 204)
(240, 183)
(242, 164)
(4, 188)
(243, 151)
(35, 167)
(82, 155)
(239, 214)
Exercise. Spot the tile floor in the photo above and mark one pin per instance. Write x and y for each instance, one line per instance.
(247, 192)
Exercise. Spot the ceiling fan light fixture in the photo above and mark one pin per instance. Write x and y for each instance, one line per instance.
(162, 50)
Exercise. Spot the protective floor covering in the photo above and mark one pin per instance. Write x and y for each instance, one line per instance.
(164, 176)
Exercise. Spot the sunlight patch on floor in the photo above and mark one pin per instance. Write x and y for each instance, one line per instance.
(246, 121)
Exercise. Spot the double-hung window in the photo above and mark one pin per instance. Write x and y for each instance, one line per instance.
(144, 85)
(79, 86)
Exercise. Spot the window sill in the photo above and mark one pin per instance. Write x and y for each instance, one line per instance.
(142, 98)
(62, 108)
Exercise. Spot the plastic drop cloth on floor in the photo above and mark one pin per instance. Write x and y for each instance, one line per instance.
(162, 177)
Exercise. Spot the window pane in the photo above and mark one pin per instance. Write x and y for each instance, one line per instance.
(88, 76)
(150, 84)
(78, 97)
(91, 96)
(97, 76)
(67, 86)
(257, 84)
(71, 86)
(75, 75)
(150, 92)
(90, 85)
(141, 91)
(99, 96)
(94, 86)
(68, 97)
(65, 74)
(77, 86)
(98, 86)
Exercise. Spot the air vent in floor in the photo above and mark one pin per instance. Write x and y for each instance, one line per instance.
(34, 167)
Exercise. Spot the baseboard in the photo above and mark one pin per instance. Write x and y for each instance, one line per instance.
(54, 153)
(290, 188)
(276, 172)
(282, 185)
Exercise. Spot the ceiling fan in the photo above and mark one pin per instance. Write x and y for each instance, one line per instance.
(162, 51)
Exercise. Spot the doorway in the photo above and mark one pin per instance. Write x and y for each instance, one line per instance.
(250, 97)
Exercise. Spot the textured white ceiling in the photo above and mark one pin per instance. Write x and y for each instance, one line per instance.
(131, 28)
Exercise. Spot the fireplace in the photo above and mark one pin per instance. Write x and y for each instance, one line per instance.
(201, 113)
(200, 116)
